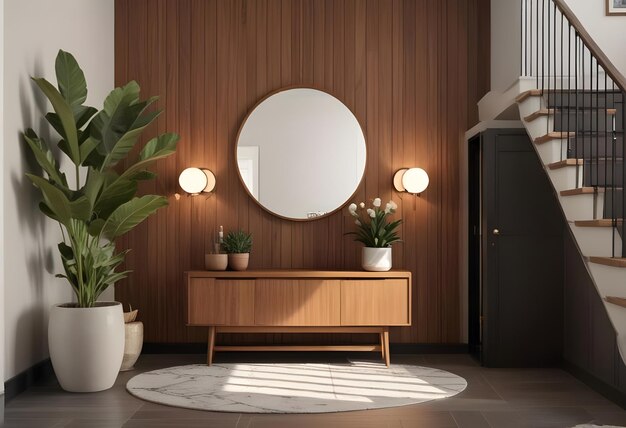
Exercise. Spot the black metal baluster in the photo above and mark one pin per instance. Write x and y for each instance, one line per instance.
(606, 132)
(537, 43)
(623, 216)
(543, 46)
(613, 178)
(562, 75)
(569, 75)
(530, 33)
(548, 45)
(582, 101)
(526, 37)
(554, 69)
(597, 133)
(576, 104)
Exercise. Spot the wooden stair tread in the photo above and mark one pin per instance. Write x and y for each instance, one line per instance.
(579, 191)
(552, 111)
(619, 301)
(601, 222)
(565, 163)
(609, 261)
(609, 111)
(554, 136)
(539, 113)
(524, 95)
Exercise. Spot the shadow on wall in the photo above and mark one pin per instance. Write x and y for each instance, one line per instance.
(39, 252)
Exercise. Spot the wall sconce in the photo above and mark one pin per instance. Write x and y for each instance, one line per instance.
(411, 180)
(195, 181)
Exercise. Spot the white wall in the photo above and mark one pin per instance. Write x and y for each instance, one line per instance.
(505, 43)
(609, 32)
(34, 30)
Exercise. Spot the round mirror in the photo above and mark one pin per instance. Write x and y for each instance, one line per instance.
(301, 153)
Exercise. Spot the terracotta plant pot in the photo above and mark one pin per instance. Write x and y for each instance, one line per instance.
(216, 261)
(238, 261)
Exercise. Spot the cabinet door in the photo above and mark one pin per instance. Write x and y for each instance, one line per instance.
(376, 302)
(220, 302)
(522, 241)
(302, 302)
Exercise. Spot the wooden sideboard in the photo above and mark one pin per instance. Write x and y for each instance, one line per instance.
(298, 301)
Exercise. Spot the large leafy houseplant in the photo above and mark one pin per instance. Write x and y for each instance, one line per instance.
(101, 205)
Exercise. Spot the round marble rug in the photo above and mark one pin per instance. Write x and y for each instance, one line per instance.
(294, 388)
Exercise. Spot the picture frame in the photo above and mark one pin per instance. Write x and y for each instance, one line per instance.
(616, 7)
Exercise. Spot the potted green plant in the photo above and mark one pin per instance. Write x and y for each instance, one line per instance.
(238, 245)
(86, 337)
(376, 232)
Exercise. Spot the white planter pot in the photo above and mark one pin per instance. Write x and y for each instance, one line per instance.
(86, 345)
(376, 259)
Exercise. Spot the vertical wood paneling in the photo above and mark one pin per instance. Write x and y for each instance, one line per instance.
(407, 69)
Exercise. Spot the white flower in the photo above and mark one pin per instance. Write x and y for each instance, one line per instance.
(357, 222)
(352, 208)
(377, 202)
(390, 207)
(371, 212)
(362, 205)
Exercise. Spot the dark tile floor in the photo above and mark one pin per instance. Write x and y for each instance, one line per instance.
(503, 398)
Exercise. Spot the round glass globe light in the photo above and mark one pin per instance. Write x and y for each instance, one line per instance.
(415, 180)
(193, 180)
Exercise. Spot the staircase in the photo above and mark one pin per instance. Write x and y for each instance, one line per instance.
(575, 116)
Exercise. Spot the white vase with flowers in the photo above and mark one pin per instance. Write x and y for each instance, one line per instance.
(377, 232)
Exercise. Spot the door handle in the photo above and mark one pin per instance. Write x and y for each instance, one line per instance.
(496, 231)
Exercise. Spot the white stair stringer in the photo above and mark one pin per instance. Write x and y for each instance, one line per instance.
(592, 241)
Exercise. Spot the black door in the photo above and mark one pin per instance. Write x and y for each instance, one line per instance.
(521, 255)
(474, 246)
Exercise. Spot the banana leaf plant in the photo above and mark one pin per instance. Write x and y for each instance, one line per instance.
(102, 204)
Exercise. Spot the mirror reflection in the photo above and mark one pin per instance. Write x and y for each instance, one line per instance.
(301, 153)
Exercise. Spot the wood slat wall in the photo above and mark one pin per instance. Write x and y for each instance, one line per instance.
(406, 68)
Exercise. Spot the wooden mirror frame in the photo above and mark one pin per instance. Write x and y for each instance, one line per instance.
(243, 123)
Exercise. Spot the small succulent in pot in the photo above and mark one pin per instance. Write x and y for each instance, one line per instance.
(238, 245)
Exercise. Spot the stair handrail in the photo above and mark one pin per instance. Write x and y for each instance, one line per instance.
(591, 45)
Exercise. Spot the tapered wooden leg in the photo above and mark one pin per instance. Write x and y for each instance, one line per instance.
(382, 344)
(211, 346)
(386, 346)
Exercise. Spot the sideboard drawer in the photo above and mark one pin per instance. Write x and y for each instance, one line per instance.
(220, 302)
(297, 302)
(375, 302)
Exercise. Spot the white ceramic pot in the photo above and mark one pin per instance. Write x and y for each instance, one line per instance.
(132, 344)
(376, 259)
(86, 345)
(216, 261)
